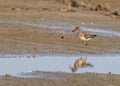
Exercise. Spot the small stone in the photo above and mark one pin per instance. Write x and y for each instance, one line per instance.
(62, 37)
(92, 23)
(7, 75)
(42, 19)
(83, 23)
(13, 8)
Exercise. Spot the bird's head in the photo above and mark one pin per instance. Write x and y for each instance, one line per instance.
(76, 29)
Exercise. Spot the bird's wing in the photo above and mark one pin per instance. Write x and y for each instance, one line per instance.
(87, 35)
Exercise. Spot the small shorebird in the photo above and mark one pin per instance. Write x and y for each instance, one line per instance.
(79, 63)
(83, 36)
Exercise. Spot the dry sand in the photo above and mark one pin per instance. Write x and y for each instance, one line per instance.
(23, 39)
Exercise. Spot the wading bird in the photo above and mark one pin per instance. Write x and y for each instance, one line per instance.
(83, 35)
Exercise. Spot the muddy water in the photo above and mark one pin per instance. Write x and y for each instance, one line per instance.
(65, 28)
(20, 64)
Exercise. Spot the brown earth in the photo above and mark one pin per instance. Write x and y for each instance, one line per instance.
(19, 38)
(16, 38)
(63, 79)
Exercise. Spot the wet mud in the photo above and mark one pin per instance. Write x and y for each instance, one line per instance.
(38, 27)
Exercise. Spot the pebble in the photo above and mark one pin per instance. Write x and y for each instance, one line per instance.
(42, 19)
(83, 23)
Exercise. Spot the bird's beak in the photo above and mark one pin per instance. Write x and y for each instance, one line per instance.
(73, 30)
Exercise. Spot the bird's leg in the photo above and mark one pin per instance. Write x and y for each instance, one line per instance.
(86, 43)
(82, 44)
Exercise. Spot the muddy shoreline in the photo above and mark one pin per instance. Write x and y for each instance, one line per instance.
(58, 79)
(24, 38)
(20, 38)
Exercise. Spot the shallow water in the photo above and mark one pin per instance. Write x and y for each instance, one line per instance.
(65, 28)
(19, 64)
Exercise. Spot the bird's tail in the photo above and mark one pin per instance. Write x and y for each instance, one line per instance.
(92, 36)
(90, 65)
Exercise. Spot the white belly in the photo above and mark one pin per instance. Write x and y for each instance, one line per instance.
(84, 39)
